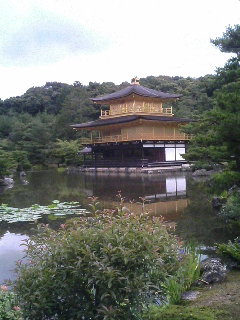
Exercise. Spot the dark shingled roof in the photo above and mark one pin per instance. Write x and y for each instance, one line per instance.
(139, 90)
(126, 119)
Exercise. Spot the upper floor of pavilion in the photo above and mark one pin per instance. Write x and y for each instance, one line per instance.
(135, 100)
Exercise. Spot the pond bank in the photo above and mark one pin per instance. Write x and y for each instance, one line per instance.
(223, 296)
(163, 169)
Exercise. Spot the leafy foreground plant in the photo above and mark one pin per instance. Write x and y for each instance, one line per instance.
(9, 310)
(103, 267)
(35, 212)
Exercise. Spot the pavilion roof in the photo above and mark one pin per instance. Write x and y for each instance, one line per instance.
(138, 90)
(126, 119)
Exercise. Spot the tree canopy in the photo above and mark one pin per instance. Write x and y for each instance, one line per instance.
(230, 40)
(217, 134)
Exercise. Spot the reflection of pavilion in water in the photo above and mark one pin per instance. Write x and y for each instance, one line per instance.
(170, 203)
(164, 195)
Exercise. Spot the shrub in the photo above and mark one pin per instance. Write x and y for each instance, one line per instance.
(7, 163)
(225, 180)
(67, 152)
(8, 305)
(103, 267)
(231, 209)
(231, 249)
(12, 160)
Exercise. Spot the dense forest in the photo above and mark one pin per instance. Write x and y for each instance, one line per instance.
(34, 127)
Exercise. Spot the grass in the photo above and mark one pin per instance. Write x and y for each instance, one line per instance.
(173, 312)
(224, 297)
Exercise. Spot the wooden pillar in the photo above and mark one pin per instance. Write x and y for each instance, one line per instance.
(122, 156)
(155, 154)
(142, 151)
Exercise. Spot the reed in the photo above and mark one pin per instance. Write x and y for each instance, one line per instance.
(186, 275)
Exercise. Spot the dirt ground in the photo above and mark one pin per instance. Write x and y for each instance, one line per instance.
(224, 296)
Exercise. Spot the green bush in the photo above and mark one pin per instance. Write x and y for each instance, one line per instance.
(231, 209)
(225, 180)
(103, 267)
(12, 160)
(8, 305)
(231, 249)
(181, 313)
(67, 152)
(7, 163)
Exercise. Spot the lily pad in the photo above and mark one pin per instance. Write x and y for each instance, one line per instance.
(36, 212)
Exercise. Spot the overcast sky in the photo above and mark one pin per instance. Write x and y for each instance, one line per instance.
(108, 40)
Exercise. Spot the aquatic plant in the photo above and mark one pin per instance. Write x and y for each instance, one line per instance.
(36, 212)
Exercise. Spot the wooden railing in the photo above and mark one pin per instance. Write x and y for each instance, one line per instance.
(105, 113)
(167, 110)
(139, 137)
(137, 110)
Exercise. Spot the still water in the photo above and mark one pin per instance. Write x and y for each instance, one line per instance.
(182, 201)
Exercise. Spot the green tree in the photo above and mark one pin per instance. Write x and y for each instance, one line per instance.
(12, 160)
(217, 134)
(34, 135)
(230, 41)
(67, 152)
(7, 163)
(77, 108)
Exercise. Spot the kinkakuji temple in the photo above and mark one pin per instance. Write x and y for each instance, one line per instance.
(136, 130)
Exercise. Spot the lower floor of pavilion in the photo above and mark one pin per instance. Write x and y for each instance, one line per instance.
(134, 154)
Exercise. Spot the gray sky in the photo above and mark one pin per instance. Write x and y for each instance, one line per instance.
(108, 40)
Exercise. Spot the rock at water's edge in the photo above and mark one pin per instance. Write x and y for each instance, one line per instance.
(217, 202)
(22, 174)
(202, 172)
(8, 182)
(190, 295)
(213, 270)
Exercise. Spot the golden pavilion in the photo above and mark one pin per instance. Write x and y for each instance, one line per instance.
(136, 131)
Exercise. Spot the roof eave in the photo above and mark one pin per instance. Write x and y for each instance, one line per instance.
(101, 123)
(99, 100)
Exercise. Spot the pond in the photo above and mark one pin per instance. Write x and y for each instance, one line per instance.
(182, 201)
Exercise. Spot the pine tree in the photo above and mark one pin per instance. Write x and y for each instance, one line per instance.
(217, 133)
